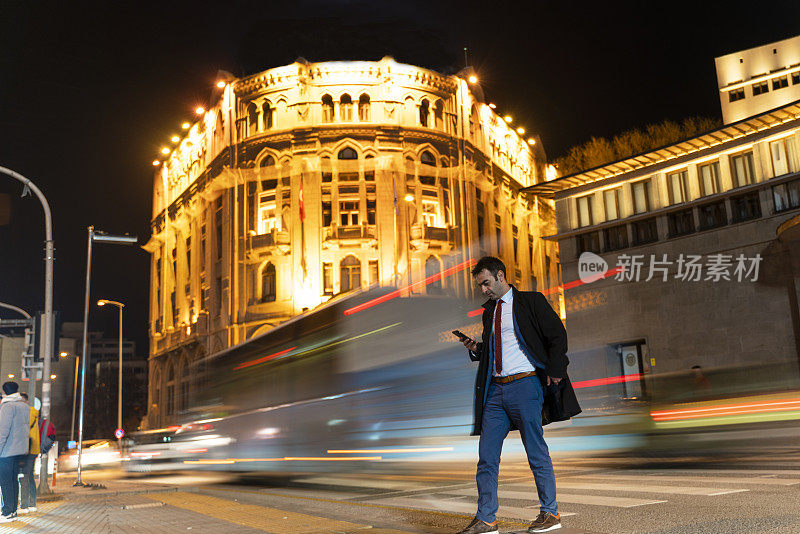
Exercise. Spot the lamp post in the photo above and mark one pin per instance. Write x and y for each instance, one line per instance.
(100, 237)
(119, 305)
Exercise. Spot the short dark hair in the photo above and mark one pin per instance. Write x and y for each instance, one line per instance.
(9, 388)
(491, 264)
(23, 395)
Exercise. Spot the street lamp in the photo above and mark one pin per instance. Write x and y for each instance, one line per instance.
(100, 237)
(119, 305)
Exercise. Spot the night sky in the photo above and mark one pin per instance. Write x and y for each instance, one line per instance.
(90, 91)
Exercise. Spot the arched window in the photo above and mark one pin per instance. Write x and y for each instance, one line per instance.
(348, 153)
(410, 109)
(438, 114)
(266, 111)
(268, 283)
(156, 399)
(219, 129)
(346, 108)
(473, 121)
(252, 119)
(445, 162)
(363, 108)
(327, 108)
(424, 112)
(184, 388)
(433, 267)
(170, 407)
(269, 161)
(426, 158)
(350, 274)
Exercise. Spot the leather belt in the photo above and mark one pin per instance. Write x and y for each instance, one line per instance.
(511, 378)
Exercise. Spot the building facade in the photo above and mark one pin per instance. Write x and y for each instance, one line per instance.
(758, 79)
(312, 180)
(716, 285)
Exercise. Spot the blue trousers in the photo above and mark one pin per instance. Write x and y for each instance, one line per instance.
(9, 485)
(27, 482)
(519, 402)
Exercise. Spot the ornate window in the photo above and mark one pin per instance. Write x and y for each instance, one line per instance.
(252, 119)
(433, 267)
(170, 407)
(269, 161)
(424, 113)
(426, 158)
(268, 283)
(438, 114)
(346, 108)
(350, 273)
(327, 108)
(348, 153)
(266, 110)
(363, 108)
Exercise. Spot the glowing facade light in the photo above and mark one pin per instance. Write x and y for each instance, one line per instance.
(156, 163)
(473, 79)
(165, 151)
(175, 139)
(185, 126)
(409, 198)
(531, 141)
(52, 377)
(10, 375)
(64, 354)
(221, 84)
(200, 110)
(507, 118)
(491, 105)
(520, 130)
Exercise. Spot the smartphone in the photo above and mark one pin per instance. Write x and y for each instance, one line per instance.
(461, 335)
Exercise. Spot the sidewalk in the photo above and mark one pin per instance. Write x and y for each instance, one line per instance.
(121, 506)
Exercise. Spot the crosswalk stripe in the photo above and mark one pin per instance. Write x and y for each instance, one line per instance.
(597, 500)
(361, 483)
(710, 480)
(677, 490)
(444, 505)
(770, 472)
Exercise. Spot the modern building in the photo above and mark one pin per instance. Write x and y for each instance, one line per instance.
(311, 180)
(758, 79)
(695, 225)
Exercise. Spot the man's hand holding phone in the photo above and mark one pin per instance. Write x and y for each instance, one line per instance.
(468, 342)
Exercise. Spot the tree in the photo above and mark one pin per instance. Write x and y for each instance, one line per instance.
(599, 151)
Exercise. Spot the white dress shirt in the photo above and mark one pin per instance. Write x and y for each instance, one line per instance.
(514, 360)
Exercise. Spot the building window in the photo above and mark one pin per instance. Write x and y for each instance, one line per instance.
(611, 202)
(327, 108)
(616, 237)
(327, 279)
(267, 213)
(370, 211)
(170, 408)
(709, 178)
(712, 215)
(681, 223)
(678, 184)
(327, 173)
(252, 118)
(363, 108)
(269, 161)
(438, 114)
(746, 207)
(184, 393)
(432, 268)
(327, 216)
(760, 88)
(266, 113)
(742, 169)
(346, 108)
(424, 112)
(348, 212)
(585, 208)
(736, 94)
(369, 168)
(218, 222)
(426, 158)
(645, 231)
(780, 83)
(350, 273)
(784, 156)
(347, 153)
(430, 213)
(189, 256)
(268, 283)
(795, 78)
(786, 196)
(589, 242)
(641, 196)
(515, 239)
(497, 232)
(373, 272)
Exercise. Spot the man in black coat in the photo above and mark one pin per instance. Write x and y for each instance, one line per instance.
(522, 354)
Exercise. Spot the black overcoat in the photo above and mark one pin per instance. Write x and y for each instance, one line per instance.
(546, 338)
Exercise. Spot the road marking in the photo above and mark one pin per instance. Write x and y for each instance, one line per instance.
(597, 500)
(676, 490)
(764, 472)
(359, 483)
(710, 480)
(444, 505)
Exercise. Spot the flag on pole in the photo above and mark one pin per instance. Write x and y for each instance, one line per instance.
(394, 195)
(302, 203)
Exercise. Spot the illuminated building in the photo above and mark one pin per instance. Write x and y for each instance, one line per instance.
(758, 79)
(292, 188)
(726, 192)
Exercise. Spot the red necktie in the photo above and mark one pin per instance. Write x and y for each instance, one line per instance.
(498, 342)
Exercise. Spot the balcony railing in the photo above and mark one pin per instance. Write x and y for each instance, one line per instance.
(349, 232)
(271, 238)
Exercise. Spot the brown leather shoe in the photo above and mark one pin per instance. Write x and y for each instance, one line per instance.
(480, 527)
(545, 522)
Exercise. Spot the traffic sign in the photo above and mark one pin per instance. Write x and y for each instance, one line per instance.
(118, 433)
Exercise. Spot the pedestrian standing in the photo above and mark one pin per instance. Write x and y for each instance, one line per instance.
(15, 418)
(522, 356)
(27, 484)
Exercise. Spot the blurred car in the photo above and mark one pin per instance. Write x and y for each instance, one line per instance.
(153, 450)
(95, 453)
